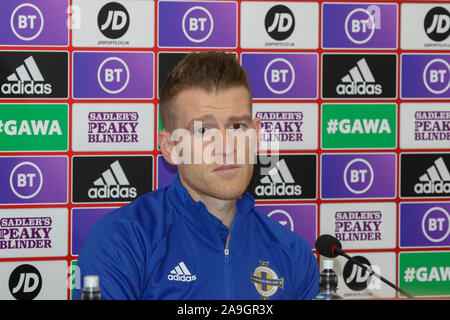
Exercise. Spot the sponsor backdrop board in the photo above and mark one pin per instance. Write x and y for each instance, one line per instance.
(365, 225)
(34, 75)
(354, 103)
(112, 24)
(34, 127)
(112, 127)
(111, 178)
(356, 283)
(359, 126)
(34, 23)
(359, 76)
(371, 26)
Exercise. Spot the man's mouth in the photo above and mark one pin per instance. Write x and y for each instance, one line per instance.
(226, 168)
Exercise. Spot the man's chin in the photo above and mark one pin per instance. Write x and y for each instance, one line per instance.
(228, 171)
(228, 189)
(228, 194)
(220, 182)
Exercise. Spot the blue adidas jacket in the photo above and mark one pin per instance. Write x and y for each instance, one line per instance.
(164, 245)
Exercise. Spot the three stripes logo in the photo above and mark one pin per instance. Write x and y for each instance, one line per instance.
(425, 175)
(34, 75)
(112, 184)
(436, 180)
(181, 273)
(287, 177)
(103, 179)
(27, 79)
(359, 80)
(278, 181)
(359, 75)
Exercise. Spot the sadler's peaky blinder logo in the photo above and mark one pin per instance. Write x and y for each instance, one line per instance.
(266, 281)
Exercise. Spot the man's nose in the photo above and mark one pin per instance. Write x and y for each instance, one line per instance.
(227, 149)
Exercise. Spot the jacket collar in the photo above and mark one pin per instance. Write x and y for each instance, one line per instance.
(199, 217)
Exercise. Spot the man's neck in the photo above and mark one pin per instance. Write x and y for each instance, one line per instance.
(224, 210)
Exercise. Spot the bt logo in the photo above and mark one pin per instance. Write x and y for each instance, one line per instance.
(279, 22)
(27, 22)
(279, 75)
(436, 76)
(113, 75)
(283, 217)
(361, 23)
(197, 24)
(26, 180)
(436, 224)
(358, 176)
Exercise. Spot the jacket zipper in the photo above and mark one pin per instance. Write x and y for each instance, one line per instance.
(227, 261)
(227, 274)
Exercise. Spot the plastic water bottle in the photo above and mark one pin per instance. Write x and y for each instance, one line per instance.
(91, 289)
(328, 281)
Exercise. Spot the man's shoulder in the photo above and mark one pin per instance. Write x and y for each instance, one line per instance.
(150, 214)
(279, 233)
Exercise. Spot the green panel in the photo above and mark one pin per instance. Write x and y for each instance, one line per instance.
(425, 273)
(347, 126)
(33, 127)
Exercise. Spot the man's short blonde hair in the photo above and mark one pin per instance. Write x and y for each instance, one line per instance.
(210, 71)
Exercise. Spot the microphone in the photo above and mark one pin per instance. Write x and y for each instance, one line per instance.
(330, 247)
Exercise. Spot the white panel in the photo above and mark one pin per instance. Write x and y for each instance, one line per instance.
(305, 34)
(140, 31)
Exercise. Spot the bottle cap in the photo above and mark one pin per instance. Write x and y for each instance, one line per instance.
(328, 264)
(91, 282)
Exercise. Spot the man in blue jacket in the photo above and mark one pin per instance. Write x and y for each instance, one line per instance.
(201, 237)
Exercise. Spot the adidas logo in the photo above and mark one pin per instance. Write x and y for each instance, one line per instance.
(278, 182)
(27, 79)
(435, 180)
(112, 184)
(181, 273)
(359, 80)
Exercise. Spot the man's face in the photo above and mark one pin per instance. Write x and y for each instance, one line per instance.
(217, 152)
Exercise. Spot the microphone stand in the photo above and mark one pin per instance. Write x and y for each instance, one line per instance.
(371, 272)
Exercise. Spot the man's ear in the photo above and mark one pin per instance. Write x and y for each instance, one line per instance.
(166, 145)
(257, 126)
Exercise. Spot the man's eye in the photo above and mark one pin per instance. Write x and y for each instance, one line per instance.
(238, 126)
(200, 130)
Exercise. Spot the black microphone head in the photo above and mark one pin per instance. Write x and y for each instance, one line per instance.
(328, 246)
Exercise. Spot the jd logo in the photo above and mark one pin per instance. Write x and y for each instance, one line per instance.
(25, 282)
(437, 24)
(113, 20)
(279, 22)
(358, 279)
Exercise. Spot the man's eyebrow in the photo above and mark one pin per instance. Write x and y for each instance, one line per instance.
(206, 117)
(244, 117)
(210, 117)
